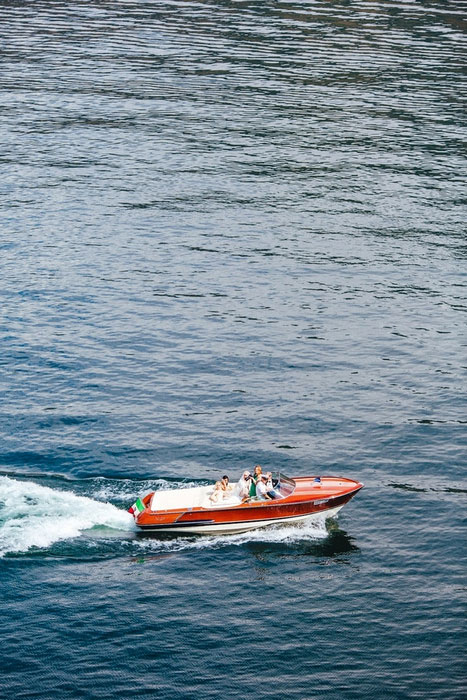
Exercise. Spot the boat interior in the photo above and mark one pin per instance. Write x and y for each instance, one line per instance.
(198, 496)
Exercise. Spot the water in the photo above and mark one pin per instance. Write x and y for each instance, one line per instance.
(232, 233)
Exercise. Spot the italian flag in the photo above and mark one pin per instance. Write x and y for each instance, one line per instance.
(137, 507)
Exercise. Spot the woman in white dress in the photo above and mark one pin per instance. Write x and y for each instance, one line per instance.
(242, 489)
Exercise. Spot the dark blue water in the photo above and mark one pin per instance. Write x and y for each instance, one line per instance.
(231, 233)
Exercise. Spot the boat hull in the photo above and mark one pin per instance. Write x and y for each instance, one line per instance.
(239, 527)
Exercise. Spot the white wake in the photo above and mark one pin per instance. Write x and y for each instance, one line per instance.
(37, 516)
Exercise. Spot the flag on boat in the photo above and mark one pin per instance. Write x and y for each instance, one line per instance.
(137, 507)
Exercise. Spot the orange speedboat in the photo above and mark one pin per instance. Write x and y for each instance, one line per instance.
(191, 511)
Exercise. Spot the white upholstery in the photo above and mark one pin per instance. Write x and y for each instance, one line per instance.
(189, 498)
(232, 501)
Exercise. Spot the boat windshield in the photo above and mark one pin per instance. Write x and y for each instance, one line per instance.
(282, 483)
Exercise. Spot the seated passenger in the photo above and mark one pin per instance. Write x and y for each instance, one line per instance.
(226, 487)
(243, 486)
(272, 493)
(261, 489)
(217, 493)
(222, 489)
(254, 480)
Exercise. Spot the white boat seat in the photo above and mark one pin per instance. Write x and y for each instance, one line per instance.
(189, 498)
(197, 497)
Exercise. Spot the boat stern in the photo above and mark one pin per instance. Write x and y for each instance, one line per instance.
(140, 508)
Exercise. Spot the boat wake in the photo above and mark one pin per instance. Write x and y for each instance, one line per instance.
(32, 515)
(36, 517)
(288, 535)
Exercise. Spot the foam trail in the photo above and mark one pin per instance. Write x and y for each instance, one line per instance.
(274, 534)
(37, 516)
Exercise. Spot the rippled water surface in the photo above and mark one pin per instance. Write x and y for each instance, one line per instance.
(230, 233)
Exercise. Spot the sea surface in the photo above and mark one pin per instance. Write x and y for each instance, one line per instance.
(232, 233)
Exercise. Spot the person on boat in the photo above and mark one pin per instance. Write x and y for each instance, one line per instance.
(272, 493)
(227, 486)
(243, 486)
(217, 493)
(222, 489)
(254, 480)
(262, 489)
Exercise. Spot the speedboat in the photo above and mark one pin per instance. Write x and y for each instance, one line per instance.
(191, 510)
